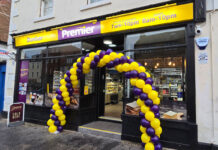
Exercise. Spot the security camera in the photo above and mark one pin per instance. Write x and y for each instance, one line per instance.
(198, 30)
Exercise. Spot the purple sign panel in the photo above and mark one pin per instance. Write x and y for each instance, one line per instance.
(24, 69)
(79, 31)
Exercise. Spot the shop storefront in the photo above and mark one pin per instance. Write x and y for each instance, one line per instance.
(160, 38)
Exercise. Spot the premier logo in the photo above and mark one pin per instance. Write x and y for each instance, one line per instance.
(80, 31)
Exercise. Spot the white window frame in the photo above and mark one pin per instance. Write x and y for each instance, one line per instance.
(95, 4)
(42, 8)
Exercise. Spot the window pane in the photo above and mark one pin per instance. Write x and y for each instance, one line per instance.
(48, 7)
(93, 1)
(56, 68)
(65, 49)
(156, 38)
(89, 85)
(29, 53)
(35, 92)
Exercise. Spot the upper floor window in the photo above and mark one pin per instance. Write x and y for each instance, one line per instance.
(93, 1)
(46, 7)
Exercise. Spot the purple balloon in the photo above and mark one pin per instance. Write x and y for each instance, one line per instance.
(57, 122)
(134, 74)
(127, 75)
(130, 61)
(142, 75)
(157, 115)
(154, 88)
(155, 139)
(59, 97)
(116, 61)
(58, 91)
(53, 117)
(143, 96)
(149, 103)
(79, 71)
(149, 81)
(67, 79)
(140, 64)
(102, 53)
(150, 131)
(110, 64)
(64, 108)
(145, 123)
(61, 103)
(158, 147)
(60, 128)
(68, 73)
(137, 91)
(70, 90)
(82, 59)
(87, 55)
(143, 144)
(93, 65)
(69, 85)
(108, 51)
(96, 58)
(141, 115)
(79, 65)
(123, 59)
(52, 111)
(155, 108)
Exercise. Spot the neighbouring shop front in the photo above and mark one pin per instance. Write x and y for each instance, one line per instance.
(161, 39)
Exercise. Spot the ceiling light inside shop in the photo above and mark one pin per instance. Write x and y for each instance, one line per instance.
(170, 63)
(155, 67)
(112, 45)
(146, 63)
(157, 64)
(107, 42)
(174, 64)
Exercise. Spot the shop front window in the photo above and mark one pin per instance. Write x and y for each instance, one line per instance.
(163, 55)
(89, 84)
(33, 53)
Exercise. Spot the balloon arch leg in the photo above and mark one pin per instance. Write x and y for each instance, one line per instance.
(148, 98)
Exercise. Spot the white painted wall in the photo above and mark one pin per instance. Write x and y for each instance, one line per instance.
(207, 83)
(27, 11)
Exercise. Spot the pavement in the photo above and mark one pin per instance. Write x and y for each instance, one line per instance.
(36, 137)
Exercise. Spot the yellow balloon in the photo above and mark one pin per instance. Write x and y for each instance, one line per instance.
(127, 57)
(158, 131)
(101, 63)
(50, 122)
(55, 101)
(149, 146)
(133, 81)
(62, 82)
(113, 55)
(120, 55)
(75, 65)
(149, 115)
(140, 102)
(155, 123)
(141, 69)
(62, 117)
(78, 59)
(156, 101)
(50, 115)
(147, 88)
(63, 88)
(65, 94)
(145, 138)
(85, 71)
(140, 83)
(75, 82)
(66, 99)
(56, 107)
(65, 75)
(98, 52)
(73, 77)
(86, 66)
(73, 71)
(144, 109)
(153, 94)
(106, 59)
(67, 103)
(125, 67)
(58, 112)
(148, 75)
(134, 65)
(92, 55)
(52, 129)
(142, 129)
(119, 68)
(87, 60)
(63, 122)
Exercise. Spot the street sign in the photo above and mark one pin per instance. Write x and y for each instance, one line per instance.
(16, 114)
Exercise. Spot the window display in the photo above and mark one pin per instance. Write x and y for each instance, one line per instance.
(89, 86)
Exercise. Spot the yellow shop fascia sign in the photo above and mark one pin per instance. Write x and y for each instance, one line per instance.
(36, 38)
(150, 17)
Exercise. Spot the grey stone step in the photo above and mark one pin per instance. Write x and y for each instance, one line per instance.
(102, 128)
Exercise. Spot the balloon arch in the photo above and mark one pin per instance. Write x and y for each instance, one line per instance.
(148, 98)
